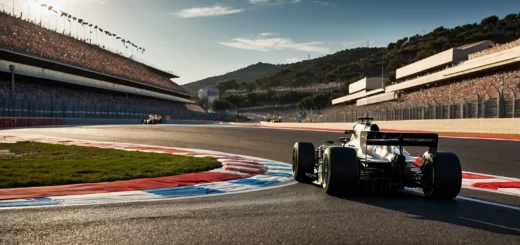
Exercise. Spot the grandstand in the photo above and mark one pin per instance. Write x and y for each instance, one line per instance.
(47, 74)
(474, 82)
(428, 72)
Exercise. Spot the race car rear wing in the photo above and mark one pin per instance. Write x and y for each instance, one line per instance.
(429, 140)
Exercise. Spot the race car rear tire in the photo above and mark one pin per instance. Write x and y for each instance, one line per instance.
(443, 178)
(303, 161)
(340, 170)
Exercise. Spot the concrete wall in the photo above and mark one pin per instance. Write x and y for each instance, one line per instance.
(99, 121)
(433, 61)
(367, 83)
(476, 47)
(355, 96)
(357, 86)
(377, 99)
(490, 126)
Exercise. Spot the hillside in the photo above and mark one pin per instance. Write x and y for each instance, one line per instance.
(350, 65)
(248, 74)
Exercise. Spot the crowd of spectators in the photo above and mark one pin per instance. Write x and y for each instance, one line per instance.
(485, 87)
(495, 49)
(25, 37)
(46, 94)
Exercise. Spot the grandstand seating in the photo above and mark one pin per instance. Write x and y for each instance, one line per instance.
(48, 93)
(485, 86)
(31, 39)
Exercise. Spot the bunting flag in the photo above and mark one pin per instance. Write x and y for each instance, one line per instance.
(80, 21)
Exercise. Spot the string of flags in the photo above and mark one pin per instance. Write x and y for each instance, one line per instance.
(83, 23)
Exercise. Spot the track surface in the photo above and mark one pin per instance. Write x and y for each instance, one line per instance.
(297, 214)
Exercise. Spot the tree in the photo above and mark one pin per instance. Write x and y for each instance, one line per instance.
(220, 105)
(489, 21)
(202, 102)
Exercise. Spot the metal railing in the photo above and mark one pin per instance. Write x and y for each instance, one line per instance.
(492, 108)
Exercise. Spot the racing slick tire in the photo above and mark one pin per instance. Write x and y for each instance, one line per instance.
(443, 178)
(340, 170)
(303, 161)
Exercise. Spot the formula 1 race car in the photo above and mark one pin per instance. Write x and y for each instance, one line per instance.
(374, 160)
(152, 119)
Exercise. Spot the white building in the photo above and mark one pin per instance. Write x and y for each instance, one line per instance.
(210, 92)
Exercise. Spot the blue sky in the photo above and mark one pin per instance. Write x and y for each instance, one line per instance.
(201, 38)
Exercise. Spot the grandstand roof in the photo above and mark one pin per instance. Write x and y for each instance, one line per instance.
(466, 46)
(52, 65)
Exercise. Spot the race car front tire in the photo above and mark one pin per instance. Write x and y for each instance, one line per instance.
(442, 179)
(303, 161)
(340, 170)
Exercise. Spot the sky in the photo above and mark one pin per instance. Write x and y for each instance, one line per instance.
(196, 39)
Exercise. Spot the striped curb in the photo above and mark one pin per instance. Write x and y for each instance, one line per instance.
(254, 174)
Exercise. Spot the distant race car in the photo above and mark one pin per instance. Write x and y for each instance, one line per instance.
(276, 120)
(152, 119)
(376, 160)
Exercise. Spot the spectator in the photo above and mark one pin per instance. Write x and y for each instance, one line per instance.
(28, 38)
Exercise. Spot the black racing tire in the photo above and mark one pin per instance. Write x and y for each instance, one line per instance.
(303, 161)
(442, 179)
(342, 170)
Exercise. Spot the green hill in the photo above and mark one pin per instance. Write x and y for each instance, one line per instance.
(248, 74)
(349, 65)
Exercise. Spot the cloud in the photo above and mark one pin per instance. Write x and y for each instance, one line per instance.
(268, 34)
(268, 44)
(291, 60)
(324, 3)
(216, 10)
(258, 1)
(296, 1)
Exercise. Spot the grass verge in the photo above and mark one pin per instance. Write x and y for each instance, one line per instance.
(37, 164)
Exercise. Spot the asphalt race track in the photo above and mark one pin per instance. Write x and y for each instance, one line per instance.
(295, 214)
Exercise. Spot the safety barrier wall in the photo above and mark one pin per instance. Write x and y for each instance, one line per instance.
(98, 121)
(29, 122)
(19, 122)
(24, 106)
(486, 126)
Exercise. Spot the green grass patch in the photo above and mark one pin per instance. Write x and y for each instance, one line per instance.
(39, 164)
